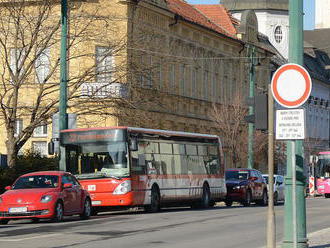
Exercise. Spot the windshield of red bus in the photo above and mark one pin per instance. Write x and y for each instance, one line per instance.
(323, 166)
(93, 160)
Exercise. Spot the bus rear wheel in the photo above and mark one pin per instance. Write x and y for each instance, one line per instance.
(155, 201)
(206, 198)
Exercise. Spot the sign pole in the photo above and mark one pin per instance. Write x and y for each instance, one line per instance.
(295, 177)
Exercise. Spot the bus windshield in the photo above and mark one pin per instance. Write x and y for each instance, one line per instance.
(98, 160)
(323, 167)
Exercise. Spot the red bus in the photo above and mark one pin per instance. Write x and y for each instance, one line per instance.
(135, 167)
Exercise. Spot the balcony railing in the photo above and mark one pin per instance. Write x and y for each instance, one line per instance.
(104, 90)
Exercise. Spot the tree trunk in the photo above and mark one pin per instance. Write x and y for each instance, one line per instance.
(11, 153)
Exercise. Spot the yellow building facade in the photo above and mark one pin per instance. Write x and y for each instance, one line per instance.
(151, 63)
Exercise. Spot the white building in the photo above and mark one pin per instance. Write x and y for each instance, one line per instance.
(322, 14)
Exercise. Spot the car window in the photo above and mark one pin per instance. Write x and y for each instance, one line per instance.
(75, 181)
(37, 181)
(240, 175)
(66, 179)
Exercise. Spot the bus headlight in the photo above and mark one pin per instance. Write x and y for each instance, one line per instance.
(123, 188)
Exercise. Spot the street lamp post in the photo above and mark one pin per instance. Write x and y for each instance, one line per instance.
(63, 120)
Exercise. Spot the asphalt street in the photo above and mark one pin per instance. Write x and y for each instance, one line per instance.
(221, 226)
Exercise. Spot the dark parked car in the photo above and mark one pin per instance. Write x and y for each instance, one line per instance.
(245, 186)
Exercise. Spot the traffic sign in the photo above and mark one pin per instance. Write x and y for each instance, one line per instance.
(290, 124)
(291, 85)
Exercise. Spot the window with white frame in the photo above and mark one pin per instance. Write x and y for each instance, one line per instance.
(278, 34)
(16, 60)
(18, 127)
(40, 147)
(42, 65)
(40, 131)
(104, 64)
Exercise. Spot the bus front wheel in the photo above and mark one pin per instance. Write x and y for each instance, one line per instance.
(327, 195)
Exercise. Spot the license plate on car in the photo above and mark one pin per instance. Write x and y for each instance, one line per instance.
(18, 210)
(96, 203)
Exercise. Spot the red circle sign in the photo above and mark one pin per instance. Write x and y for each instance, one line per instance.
(291, 85)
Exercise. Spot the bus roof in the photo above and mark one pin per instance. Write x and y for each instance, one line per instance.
(146, 130)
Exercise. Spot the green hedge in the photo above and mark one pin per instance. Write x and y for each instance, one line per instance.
(29, 162)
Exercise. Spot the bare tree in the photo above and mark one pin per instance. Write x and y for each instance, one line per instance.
(30, 65)
(233, 130)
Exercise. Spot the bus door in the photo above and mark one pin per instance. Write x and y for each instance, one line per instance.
(139, 177)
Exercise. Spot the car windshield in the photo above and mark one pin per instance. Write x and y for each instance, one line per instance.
(38, 181)
(240, 175)
(99, 160)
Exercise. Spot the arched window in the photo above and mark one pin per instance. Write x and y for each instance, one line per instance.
(278, 34)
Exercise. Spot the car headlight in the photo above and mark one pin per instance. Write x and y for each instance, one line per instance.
(237, 187)
(46, 198)
(123, 188)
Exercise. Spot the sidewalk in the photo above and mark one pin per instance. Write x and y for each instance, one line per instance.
(319, 239)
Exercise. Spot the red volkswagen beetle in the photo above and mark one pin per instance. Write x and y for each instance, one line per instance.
(44, 195)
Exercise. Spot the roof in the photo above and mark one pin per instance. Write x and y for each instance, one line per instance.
(316, 53)
(219, 15)
(195, 15)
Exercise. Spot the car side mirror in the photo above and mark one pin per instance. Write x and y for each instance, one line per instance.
(8, 188)
(67, 185)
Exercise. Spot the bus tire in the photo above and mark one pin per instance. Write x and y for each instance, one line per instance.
(327, 195)
(206, 197)
(154, 206)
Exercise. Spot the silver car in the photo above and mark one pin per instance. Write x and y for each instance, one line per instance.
(278, 187)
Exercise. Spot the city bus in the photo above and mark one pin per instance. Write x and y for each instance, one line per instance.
(322, 174)
(125, 167)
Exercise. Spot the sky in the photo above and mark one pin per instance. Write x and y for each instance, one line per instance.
(309, 10)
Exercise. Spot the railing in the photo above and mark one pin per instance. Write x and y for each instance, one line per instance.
(104, 90)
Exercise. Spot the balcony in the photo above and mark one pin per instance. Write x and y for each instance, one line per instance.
(104, 90)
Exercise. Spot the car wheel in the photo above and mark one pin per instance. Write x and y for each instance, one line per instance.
(248, 199)
(4, 222)
(275, 198)
(58, 212)
(228, 203)
(264, 199)
(205, 202)
(155, 201)
(87, 210)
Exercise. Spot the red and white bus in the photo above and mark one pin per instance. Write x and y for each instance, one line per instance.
(132, 167)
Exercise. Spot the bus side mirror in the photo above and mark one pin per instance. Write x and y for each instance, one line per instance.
(51, 148)
(133, 144)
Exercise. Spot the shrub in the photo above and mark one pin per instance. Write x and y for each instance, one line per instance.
(29, 162)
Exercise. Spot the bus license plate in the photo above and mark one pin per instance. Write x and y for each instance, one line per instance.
(18, 210)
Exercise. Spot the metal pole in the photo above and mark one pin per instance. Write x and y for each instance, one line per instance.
(291, 212)
(251, 108)
(271, 225)
(63, 120)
